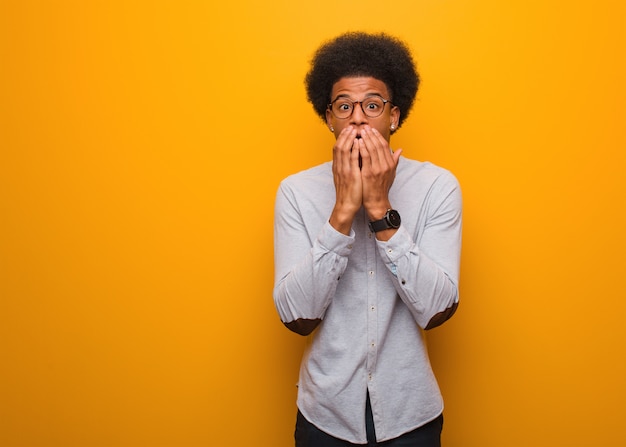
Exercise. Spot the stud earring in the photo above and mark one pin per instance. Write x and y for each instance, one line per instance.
(332, 129)
(393, 127)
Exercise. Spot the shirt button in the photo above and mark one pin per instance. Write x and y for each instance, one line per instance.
(371, 272)
(350, 246)
(403, 281)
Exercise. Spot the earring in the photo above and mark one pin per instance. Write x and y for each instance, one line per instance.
(393, 127)
(332, 129)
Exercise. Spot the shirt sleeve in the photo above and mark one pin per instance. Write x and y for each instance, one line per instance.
(425, 267)
(307, 267)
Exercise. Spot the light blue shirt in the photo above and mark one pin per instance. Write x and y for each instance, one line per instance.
(369, 301)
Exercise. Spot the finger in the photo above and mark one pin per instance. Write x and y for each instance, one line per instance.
(343, 146)
(375, 146)
(346, 136)
(382, 146)
(396, 155)
(366, 158)
(355, 153)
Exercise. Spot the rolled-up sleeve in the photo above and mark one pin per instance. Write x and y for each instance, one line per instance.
(309, 258)
(425, 266)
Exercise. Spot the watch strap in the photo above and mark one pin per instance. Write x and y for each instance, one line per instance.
(386, 222)
(379, 225)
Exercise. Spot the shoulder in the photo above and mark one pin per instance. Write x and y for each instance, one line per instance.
(425, 174)
(311, 189)
(315, 177)
(424, 191)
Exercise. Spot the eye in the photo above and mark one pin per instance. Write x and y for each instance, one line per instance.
(343, 106)
(373, 104)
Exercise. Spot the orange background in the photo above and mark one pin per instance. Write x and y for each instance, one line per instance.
(141, 145)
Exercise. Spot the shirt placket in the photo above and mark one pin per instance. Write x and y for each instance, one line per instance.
(372, 310)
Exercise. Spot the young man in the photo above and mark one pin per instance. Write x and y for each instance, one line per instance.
(367, 251)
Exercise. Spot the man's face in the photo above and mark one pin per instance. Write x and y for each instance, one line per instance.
(360, 89)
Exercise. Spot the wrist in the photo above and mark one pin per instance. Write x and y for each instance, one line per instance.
(377, 211)
(341, 220)
(390, 221)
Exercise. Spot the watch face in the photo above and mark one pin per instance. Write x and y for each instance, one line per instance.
(394, 218)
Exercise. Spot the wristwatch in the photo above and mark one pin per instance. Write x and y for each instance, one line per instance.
(391, 219)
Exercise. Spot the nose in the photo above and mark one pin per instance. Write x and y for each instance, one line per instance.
(358, 117)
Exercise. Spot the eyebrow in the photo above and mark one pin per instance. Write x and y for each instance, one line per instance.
(367, 95)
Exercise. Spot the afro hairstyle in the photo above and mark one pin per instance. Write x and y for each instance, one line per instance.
(359, 54)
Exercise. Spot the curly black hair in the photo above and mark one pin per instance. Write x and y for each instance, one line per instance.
(359, 54)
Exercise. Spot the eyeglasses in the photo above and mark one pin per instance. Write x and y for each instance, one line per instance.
(372, 106)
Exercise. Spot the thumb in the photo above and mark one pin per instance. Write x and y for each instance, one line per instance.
(396, 154)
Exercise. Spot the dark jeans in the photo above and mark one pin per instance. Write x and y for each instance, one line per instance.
(429, 435)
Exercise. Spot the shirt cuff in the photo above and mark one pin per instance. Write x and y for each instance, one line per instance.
(334, 241)
(397, 246)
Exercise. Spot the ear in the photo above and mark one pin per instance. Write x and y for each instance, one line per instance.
(394, 117)
(329, 120)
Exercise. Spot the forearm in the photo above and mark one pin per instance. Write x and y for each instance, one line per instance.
(425, 267)
(304, 288)
(430, 292)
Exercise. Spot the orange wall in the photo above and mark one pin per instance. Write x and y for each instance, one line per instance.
(141, 144)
